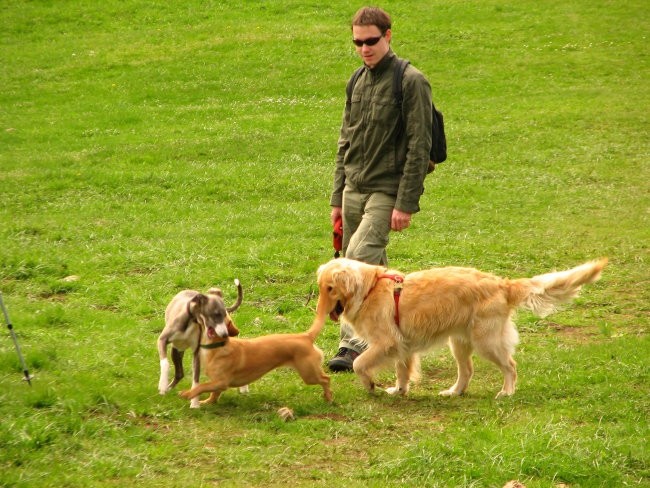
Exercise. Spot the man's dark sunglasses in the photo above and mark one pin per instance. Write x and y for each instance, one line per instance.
(371, 41)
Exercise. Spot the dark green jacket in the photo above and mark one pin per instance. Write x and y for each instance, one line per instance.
(379, 149)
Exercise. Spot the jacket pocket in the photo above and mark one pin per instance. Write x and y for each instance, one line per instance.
(385, 113)
(356, 110)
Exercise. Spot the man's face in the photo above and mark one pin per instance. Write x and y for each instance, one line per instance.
(371, 55)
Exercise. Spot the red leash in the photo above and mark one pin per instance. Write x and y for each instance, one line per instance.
(337, 237)
(397, 290)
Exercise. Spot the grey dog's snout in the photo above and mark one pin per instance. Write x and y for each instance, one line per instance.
(221, 330)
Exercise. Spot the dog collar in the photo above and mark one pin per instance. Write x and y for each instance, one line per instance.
(397, 290)
(213, 345)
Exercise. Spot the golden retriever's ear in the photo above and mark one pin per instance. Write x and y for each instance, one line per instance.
(215, 291)
(344, 280)
(233, 331)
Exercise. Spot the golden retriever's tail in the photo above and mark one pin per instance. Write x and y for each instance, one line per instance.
(545, 293)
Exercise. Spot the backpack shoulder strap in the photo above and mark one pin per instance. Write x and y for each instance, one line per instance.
(398, 75)
(351, 83)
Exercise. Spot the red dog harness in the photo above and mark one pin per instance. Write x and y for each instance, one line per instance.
(397, 290)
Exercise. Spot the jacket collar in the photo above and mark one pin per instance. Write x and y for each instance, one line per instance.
(383, 65)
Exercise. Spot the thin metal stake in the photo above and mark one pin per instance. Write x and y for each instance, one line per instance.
(28, 378)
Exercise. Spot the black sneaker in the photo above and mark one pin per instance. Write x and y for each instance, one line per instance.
(343, 360)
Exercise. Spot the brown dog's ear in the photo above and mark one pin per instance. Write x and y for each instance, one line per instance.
(232, 330)
(195, 303)
(215, 291)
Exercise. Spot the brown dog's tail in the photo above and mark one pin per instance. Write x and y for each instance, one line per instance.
(319, 320)
(543, 294)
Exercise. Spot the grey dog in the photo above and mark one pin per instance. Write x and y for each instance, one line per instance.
(187, 312)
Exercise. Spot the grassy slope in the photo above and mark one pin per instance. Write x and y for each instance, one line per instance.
(151, 148)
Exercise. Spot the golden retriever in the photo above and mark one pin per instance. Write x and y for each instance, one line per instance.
(469, 309)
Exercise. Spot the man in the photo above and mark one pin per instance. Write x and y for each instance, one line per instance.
(382, 158)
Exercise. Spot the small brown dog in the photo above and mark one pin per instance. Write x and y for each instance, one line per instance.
(231, 362)
(184, 316)
(401, 316)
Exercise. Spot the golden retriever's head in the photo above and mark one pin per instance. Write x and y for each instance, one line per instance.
(343, 284)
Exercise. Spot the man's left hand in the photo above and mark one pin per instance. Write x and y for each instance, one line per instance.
(400, 220)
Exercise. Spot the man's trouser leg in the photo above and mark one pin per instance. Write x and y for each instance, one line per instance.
(366, 229)
(366, 226)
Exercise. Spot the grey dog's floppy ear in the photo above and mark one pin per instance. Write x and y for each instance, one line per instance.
(195, 302)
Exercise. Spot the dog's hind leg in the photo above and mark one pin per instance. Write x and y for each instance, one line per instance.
(462, 351)
(406, 369)
(196, 376)
(179, 373)
(311, 373)
(500, 351)
(319, 378)
(509, 369)
(325, 383)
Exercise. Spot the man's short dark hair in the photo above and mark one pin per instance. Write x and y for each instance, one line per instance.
(372, 16)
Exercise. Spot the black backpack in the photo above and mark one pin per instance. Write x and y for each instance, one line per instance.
(438, 152)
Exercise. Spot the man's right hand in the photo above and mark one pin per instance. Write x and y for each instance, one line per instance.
(337, 212)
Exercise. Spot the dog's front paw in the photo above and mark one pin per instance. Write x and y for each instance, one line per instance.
(184, 394)
(163, 387)
(243, 390)
(367, 383)
(195, 403)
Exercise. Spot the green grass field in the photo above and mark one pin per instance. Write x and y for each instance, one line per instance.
(150, 147)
